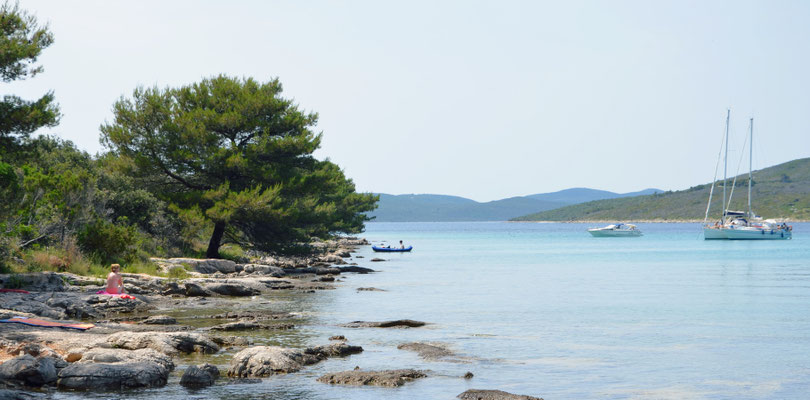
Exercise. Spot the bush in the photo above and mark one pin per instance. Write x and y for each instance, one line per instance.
(108, 242)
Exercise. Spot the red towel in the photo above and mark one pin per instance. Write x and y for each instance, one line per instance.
(121, 295)
(13, 291)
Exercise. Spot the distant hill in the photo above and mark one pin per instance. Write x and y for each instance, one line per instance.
(582, 195)
(441, 208)
(781, 191)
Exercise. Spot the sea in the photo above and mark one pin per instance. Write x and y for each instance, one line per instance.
(546, 310)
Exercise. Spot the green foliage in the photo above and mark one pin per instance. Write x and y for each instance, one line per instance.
(236, 154)
(178, 273)
(109, 242)
(21, 42)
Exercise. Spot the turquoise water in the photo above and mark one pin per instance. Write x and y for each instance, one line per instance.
(546, 310)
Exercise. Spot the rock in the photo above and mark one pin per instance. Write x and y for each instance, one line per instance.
(327, 278)
(387, 378)
(207, 266)
(370, 289)
(112, 376)
(28, 370)
(338, 337)
(400, 323)
(261, 361)
(164, 342)
(172, 288)
(20, 395)
(263, 270)
(334, 350)
(468, 375)
(73, 357)
(375, 259)
(232, 289)
(195, 290)
(75, 308)
(198, 377)
(159, 320)
(427, 351)
(223, 341)
(237, 326)
(476, 394)
(359, 270)
(102, 355)
(327, 271)
(114, 304)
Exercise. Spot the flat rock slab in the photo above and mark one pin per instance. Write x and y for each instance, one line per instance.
(427, 351)
(249, 325)
(114, 376)
(164, 342)
(477, 394)
(387, 378)
(261, 361)
(400, 323)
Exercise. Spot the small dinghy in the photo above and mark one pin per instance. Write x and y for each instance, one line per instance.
(391, 250)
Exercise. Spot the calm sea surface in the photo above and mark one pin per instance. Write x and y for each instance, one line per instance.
(548, 311)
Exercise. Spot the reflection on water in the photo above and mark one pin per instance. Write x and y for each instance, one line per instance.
(546, 310)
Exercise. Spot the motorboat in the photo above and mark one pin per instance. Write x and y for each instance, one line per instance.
(616, 230)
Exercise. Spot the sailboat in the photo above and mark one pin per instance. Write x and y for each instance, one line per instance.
(741, 225)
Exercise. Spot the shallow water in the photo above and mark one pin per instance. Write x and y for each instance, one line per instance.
(546, 310)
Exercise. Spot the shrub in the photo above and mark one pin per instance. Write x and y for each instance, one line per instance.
(108, 242)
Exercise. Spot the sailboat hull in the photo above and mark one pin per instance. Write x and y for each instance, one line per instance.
(746, 234)
(714, 234)
(757, 234)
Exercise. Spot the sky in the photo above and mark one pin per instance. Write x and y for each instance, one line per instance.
(484, 100)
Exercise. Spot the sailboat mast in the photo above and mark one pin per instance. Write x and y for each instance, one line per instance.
(750, 165)
(725, 167)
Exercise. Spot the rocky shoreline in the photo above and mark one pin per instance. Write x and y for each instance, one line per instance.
(132, 345)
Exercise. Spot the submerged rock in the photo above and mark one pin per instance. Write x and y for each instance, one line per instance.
(159, 320)
(387, 378)
(476, 394)
(359, 270)
(400, 323)
(199, 376)
(427, 351)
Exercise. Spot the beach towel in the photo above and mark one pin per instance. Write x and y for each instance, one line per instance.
(47, 324)
(121, 295)
(13, 291)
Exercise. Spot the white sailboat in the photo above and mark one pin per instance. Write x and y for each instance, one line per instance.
(740, 225)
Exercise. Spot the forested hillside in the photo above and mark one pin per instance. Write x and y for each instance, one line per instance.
(781, 191)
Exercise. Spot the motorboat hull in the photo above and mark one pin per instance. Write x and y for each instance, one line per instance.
(614, 233)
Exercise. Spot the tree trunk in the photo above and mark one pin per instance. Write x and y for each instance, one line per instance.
(216, 240)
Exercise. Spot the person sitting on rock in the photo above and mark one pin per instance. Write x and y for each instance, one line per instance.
(115, 283)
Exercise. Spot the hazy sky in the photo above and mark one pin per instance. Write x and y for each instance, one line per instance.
(484, 100)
